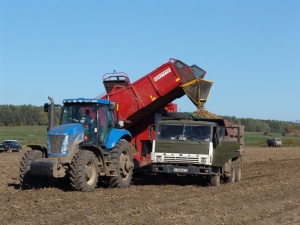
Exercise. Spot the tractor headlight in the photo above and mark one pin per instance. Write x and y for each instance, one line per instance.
(64, 146)
(48, 145)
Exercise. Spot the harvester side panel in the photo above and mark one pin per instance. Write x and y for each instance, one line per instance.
(148, 94)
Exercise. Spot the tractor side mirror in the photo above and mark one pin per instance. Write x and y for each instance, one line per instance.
(112, 106)
(46, 107)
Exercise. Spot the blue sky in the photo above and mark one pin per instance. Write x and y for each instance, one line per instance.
(250, 49)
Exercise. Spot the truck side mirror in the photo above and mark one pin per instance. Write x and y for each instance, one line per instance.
(151, 128)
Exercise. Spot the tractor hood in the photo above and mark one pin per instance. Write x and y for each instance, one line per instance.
(67, 129)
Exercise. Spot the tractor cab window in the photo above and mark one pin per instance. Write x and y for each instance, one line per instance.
(103, 122)
(84, 114)
(79, 113)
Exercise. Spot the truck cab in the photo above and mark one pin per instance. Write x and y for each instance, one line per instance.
(197, 147)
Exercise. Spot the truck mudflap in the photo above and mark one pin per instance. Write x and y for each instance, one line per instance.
(196, 170)
(44, 167)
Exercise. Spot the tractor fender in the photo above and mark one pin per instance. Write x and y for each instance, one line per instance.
(115, 135)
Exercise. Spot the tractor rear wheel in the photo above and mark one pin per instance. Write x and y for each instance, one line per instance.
(84, 171)
(121, 158)
(26, 180)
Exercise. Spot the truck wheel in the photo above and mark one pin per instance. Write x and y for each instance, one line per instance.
(231, 178)
(84, 171)
(238, 170)
(215, 180)
(26, 180)
(121, 157)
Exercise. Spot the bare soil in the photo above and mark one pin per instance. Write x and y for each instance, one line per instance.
(268, 194)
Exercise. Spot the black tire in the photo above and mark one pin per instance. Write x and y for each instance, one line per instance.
(26, 180)
(238, 170)
(121, 157)
(232, 177)
(215, 180)
(84, 171)
(179, 115)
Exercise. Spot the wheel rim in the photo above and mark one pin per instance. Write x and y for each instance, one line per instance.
(90, 173)
(125, 165)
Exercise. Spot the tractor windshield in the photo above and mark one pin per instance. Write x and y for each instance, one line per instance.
(75, 113)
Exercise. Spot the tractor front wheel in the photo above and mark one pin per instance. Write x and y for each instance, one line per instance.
(84, 171)
(26, 180)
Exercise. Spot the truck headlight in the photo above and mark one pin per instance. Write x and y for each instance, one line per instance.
(203, 160)
(159, 158)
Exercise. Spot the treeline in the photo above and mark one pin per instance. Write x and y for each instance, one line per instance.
(26, 115)
(269, 126)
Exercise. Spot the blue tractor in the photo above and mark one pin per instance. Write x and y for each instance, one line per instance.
(87, 147)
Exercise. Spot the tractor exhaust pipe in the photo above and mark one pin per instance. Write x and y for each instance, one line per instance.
(51, 113)
(49, 108)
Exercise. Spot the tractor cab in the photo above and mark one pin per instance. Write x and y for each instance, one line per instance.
(95, 116)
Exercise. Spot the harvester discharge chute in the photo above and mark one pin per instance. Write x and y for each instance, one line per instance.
(194, 85)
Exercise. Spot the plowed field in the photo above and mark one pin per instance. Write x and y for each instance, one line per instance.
(269, 193)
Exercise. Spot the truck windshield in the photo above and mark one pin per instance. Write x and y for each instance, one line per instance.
(10, 143)
(184, 132)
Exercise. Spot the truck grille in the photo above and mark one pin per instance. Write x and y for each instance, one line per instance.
(181, 159)
(56, 142)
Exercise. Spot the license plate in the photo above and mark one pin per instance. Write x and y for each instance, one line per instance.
(181, 170)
